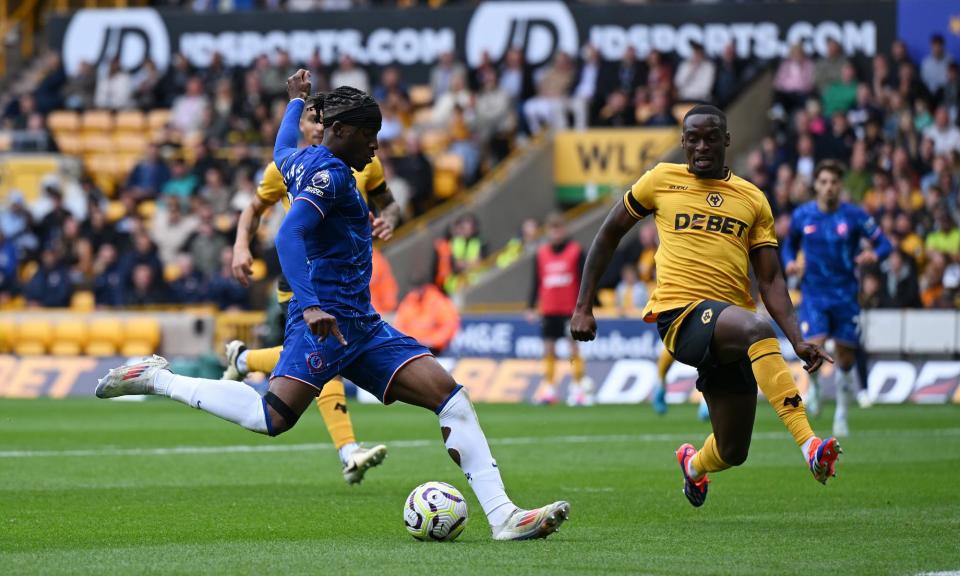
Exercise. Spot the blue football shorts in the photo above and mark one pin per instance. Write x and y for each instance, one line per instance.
(834, 318)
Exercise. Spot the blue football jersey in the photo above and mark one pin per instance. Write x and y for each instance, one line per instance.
(340, 251)
(830, 243)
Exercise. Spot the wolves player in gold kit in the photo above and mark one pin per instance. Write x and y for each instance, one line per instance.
(712, 226)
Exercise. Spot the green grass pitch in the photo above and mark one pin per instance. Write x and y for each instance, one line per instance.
(96, 487)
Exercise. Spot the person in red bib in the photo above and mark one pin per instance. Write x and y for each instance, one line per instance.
(553, 296)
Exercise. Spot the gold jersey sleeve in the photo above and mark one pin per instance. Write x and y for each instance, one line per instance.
(370, 178)
(271, 188)
(707, 229)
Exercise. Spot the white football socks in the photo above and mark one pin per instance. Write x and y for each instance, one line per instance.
(346, 451)
(844, 380)
(468, 447)
(242, 362)
(233, 401)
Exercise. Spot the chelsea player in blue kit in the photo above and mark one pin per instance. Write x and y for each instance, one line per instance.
(325, 248)
(831, 233)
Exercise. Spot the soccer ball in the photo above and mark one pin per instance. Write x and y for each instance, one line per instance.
(435, 511)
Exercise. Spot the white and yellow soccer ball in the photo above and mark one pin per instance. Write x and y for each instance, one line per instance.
(435, 511)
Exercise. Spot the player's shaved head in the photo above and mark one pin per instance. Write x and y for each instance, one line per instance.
(707, 110)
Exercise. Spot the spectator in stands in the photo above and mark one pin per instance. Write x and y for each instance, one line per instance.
(910, 87)
(951, 91)
(881, 78)
(79, 89)
(946, 137)
(626, 76)
(443, 73)
(50, 286)
(695, 75)
(9, 281)
(632, 293)
(933, 70)
(829, 69)
(840, 95)
(661, 110)
(215, 191)
(347, 74)
(863, 111)
(547, 110)
(806, 158)
(659, 72)
(467, 247)
(416, 169)
(946, 238)
(217, 71)
(97, 229)
(617, 111)
(730, 75)
(143, 252)
(147, 86)
(182, 182)
(190, 109)
(146, 289)
(49, 92)
(383, 285)
(176, 79)
(391, 84)
(456, 97)
(52, 223)
(837, 144)
(585, 90)
(172, 229)
(149, 175)
(872, 295)
(515, 78)
(108, 284)
(114, 88)
(901, 289)
(429, 316)
(495, 122)
(225, 290)
(190, 287)
(18, 112)
(794, 80)
(206, 247)
(934, 294)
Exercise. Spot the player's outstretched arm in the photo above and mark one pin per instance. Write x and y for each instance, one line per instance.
(247, 226)
(389, 213)
(773, 291)
(583, 326)
(298, 88)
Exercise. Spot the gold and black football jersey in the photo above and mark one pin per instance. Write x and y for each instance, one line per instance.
(707, 229)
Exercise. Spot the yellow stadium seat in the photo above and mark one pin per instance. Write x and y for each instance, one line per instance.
(27, 271)
(423, 117)
(69, 143)
(61, 121)
(157, 119)
(434, 142)
(69, 336)
(8, 328)
(97, 121)
(141, 336)
(33, 336)
(134, 144)
(104, 336)
(421, 95)
(99, 143)
(171, 272)
(115, 210)
(131, 121)
(258, 270)
(446, 177)
(147, 209)
(83, 301)
(607, 297)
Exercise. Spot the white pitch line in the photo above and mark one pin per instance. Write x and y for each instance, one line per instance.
(521, 440)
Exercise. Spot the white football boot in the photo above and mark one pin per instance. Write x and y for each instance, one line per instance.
(361, 460)
(233, 372)
(531, 524)
(133, 379)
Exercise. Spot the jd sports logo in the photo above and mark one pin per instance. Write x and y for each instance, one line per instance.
(538, 28)
(795, 401)
(99, 36)
(340, 407)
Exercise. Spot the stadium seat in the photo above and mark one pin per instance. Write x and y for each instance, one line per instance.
(69, 142)
(171, 272)
(258, 270)
(147, 209)
(69, 336)
(104, 336)
(607, 297)
(27, 271)
(434, 142)
(83, 301)
(115, 211)
(94, 121)
(131, 121)
(421, 95)
(158, 119)
(448, 169)
(130, 143)
(98, 143)
(33, 335)
(141, 336)
(62, 121)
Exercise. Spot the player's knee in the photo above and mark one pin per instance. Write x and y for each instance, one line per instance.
(757, 329)
(734, 454)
